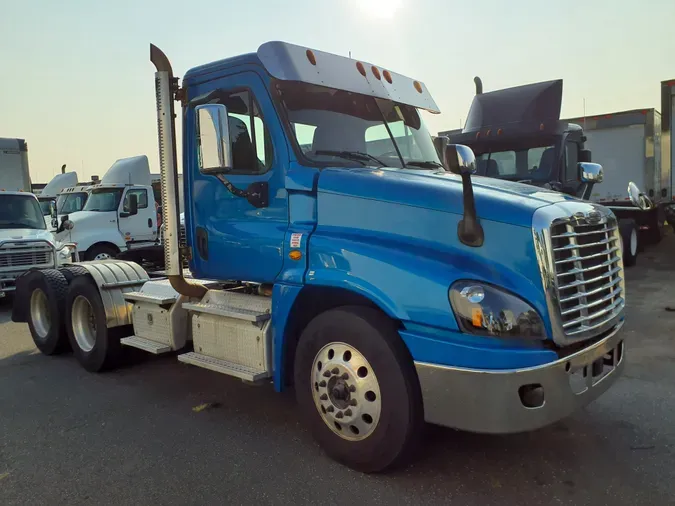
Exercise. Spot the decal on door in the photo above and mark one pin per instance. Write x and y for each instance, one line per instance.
(296, 240)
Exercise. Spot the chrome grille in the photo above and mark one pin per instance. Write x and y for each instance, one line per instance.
(26, 255)
(588, 271)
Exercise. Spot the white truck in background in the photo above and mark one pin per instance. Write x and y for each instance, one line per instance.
(14, 171)
(119, 213)
(49, 193)
(628, 146)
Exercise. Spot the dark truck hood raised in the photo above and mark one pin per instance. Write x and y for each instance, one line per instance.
(496, 200)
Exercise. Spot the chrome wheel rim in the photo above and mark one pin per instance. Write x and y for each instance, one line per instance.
(346, 391)
(39, 310)
(633, 242)
(84, 323)
(102, 256)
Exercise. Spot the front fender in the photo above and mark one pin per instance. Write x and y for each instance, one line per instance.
(85, 239)
(408, 276)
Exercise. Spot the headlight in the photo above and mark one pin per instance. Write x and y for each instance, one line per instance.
(485, 310)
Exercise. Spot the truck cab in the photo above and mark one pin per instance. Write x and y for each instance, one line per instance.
(50, 192)
(118, 214)
(331, 248)
(25, 241)
(517, 135)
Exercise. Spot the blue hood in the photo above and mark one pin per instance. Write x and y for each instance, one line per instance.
(496, 200)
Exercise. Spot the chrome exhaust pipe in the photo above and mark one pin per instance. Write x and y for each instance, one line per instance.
(164, 81)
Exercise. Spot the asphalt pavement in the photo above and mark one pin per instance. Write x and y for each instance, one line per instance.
(160, 432)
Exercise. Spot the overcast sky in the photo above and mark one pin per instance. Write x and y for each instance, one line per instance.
(78, 85)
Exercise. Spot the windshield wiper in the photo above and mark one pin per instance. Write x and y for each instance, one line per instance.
(429, 164)
(357, 156)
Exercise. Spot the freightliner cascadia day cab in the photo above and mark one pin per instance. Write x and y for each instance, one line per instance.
(343, 257)
(517, 135)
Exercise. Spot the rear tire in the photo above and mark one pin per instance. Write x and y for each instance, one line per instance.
(630, 238)
(45, 298)
(95, 346)
(357, 388)
(70, 272)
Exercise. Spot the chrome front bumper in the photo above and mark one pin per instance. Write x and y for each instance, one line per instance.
(492, 401)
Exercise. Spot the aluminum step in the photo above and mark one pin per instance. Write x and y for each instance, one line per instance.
(146, 297)
(239, 313)
(223, 366)
(145, 344)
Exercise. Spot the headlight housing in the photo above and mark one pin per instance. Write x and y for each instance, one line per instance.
(485, 310)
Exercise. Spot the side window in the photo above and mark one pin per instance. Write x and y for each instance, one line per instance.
(305, 136)
(142, 196)
(571, 160)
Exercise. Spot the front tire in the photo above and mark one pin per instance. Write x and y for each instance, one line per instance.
(95, 346)
(357, 387)
(101, 252)
(630, 241)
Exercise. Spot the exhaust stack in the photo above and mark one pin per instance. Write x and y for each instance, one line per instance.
(479, 85)
(164, 81)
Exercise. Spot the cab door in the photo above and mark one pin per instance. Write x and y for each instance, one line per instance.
(143, 225)
(236, 219)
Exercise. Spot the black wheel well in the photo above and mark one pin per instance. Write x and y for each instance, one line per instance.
(312, 301)
(104, 243)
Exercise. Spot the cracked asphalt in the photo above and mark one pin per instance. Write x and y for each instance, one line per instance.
(159, 432)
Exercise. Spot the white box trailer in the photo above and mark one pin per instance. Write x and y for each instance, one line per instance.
(14, 172)
(628, 146)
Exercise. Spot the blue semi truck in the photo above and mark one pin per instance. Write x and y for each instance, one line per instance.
(331, 249)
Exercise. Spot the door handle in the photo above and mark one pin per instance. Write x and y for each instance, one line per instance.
(202, 243)
(149, 222)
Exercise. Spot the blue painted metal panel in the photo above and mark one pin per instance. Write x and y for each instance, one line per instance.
(244, 242)
(283, 298)
(443, 347)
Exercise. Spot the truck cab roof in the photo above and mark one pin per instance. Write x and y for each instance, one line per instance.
(289, 62)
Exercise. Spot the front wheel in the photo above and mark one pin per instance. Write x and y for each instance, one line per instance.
(357, 387)
(101, 252)
(630, 241)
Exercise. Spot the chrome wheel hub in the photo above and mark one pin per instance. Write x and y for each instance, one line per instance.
(39, 310)
(346, 391)
(84, 323)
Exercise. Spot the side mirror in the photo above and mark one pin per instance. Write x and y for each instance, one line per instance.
(133, 204)
(52, 209)
(68, 225)
(64, 218)
(590, 172)
(213, 139)
(637, 198)
(459, 159)
(584, 155)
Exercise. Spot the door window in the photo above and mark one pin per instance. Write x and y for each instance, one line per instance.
(571, 160)
(141, 195)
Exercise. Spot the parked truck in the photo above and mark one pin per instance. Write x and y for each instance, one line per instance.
(517, 135)
(14, 171)
(50, 192)
(628, 145)
(118, 214)
(387, 286)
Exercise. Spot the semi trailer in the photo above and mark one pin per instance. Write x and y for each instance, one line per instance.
(332, 251)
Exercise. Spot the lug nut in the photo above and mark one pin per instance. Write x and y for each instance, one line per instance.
(330, 409)
(339, 414)
(326, 374)
(352, 402)
(322, 384)
(323, 397)
(345, 376)
(335, 370)
(352, 388)
(348, 412)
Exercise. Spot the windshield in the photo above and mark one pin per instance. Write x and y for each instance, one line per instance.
(44, 206)
(341, 128)
(522, 164)
(70, 202)
(104, 199)
(20, 211)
